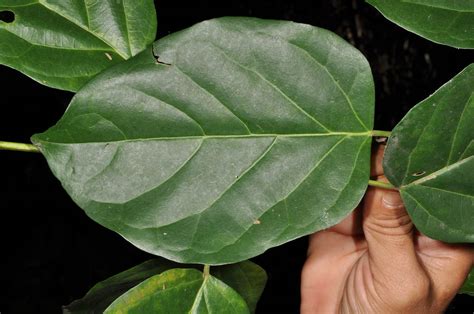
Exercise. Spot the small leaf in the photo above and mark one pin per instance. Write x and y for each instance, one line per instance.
(180, 291)
(468, 287)
(247, 278)
(244, 135)
(64, 43)
(443, 21)
(105, 292)
(430, 157)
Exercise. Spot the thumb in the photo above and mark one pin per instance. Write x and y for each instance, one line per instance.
(389, 234)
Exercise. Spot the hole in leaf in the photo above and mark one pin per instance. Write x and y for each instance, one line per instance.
(419, 173)
(7, 16)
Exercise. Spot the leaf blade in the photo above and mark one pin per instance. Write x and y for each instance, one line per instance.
(63, 44)
(241, 126)
(445, 22)
(433, 165)
(99, 297)
(246, 278)
(184, 291)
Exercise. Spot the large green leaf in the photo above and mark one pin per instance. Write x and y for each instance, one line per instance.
(244, 135)
(246, 278)
(64, 43)
(180, 291)
(430, 156)
(449, 22)
(468, 287)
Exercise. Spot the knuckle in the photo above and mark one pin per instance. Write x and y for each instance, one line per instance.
(398, 225)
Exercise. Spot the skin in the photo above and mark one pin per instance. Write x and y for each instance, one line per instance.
(375, 261)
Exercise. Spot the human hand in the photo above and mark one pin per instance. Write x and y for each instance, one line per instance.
(376, 262)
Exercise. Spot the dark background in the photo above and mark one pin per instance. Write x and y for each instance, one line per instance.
(51, 253)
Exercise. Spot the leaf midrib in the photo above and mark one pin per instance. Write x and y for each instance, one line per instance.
(198, 297)
(437, 173)
(208, 137)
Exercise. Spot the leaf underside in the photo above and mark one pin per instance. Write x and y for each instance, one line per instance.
(64, 43)
(246, 278)
(244, 135)
(183, 291)
(430, 156)
(443, 21)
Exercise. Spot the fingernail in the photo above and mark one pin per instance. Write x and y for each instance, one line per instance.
(392, 199)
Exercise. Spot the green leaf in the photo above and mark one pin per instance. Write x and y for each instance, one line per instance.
(246, 278)
(442, 21)
(180, 291)
(105, 292)
(468, 287)
(430, 156)
(64, 43)
(244, 135)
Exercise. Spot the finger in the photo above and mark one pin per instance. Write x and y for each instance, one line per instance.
(376, 168)
(321, 283)
(330, 243)
(389, 234)
(330, 256)
(447, 265)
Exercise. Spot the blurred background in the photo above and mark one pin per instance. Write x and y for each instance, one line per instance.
(52, 253)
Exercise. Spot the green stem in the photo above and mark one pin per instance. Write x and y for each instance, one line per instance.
(381, 133)
(207, 269)
(383, 185)
(20, 147)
